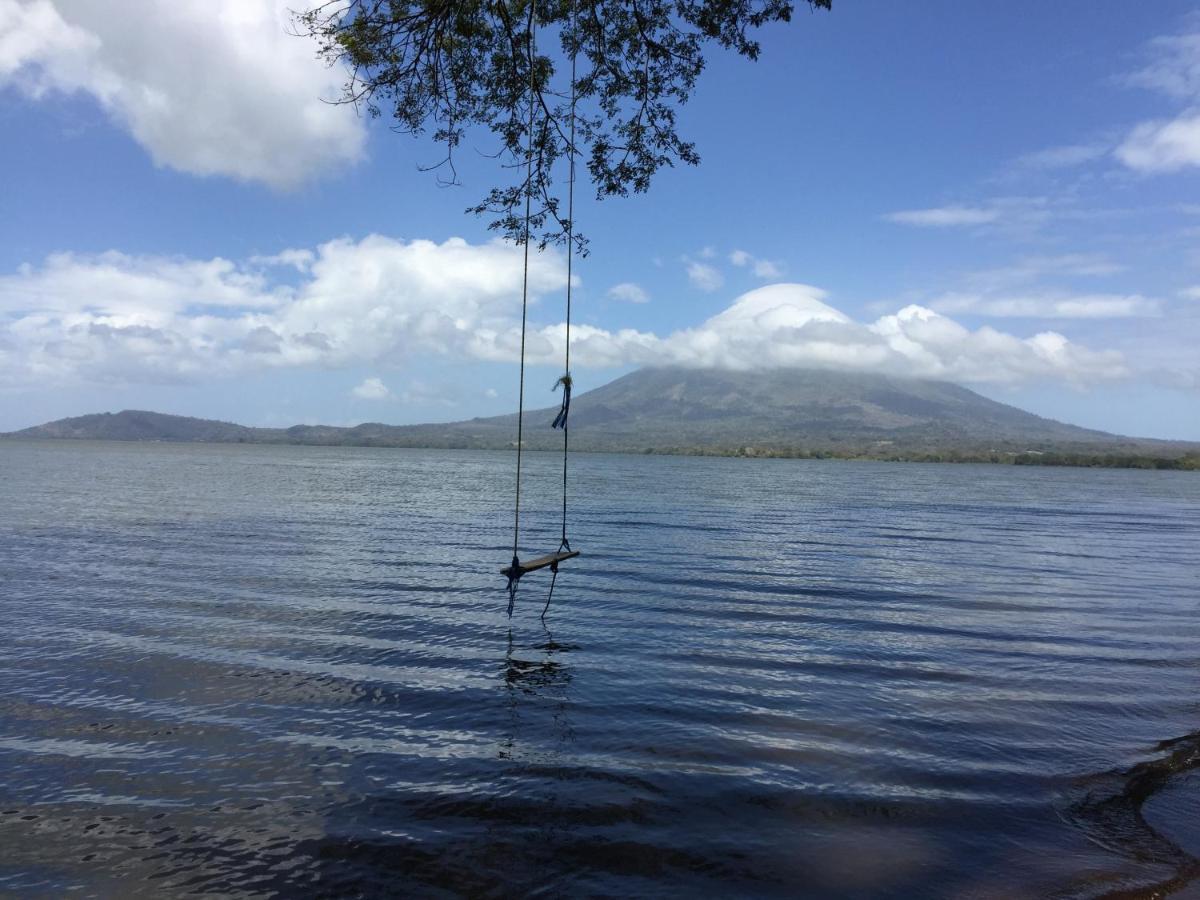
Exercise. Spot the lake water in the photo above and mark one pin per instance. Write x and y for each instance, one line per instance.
(247, 670)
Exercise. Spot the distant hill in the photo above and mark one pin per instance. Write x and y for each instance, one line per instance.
(136, 425)
(782, 412)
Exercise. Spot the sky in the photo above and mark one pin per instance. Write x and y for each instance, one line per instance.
(1005, 195)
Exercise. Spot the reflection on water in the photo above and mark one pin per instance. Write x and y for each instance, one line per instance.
(255, 670)
(538, 699)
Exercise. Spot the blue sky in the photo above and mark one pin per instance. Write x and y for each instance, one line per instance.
(1003, 195)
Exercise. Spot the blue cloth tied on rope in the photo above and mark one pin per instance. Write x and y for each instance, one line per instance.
(560, 421)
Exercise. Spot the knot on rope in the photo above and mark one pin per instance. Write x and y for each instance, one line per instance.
(560, 421)
(514, 576)
(565, 545)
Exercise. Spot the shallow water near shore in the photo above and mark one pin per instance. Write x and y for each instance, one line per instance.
(254, 670)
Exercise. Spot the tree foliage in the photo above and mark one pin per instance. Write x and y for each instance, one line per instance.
(442, 67)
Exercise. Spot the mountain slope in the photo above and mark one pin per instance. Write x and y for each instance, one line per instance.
(656, 409)
(692, 410)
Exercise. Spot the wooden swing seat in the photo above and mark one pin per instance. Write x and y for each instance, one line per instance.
(540, 563)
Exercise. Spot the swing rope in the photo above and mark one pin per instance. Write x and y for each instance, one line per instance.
(515, 572)
(565, 381)
(560, 421)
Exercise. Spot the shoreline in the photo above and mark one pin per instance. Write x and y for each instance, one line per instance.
(1187, 462)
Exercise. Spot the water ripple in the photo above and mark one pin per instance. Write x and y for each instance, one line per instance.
(248, 671)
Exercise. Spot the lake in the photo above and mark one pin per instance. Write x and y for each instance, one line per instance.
(253, 670)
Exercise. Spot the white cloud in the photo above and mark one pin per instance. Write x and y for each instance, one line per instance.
(300, 260)
(1027, 275)
(115, 317)
(944, 216)
(945, 349)
(762, 268)
(372, 389)
(1168, 145)
(1051, 306)
(766, 270)
(1063, 156)
(703, 276)
(1192, 293)
(1087, 264)
(790, 325)
(208, 87)
(121, 284)
(1163, 146)
(1018, 217)
(420, 393)
(379, 300)
(629, 292)
(1174, 66)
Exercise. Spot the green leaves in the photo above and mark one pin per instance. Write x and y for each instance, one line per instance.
(453, 66)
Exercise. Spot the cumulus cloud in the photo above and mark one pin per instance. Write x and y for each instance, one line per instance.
(372, 389)
(116, 317)
(791, 325)
(944, 216)
(379, 300)
(208, 87)
(629, 292)
(123, 284)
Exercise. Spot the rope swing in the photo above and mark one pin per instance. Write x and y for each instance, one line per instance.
(517, 568)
